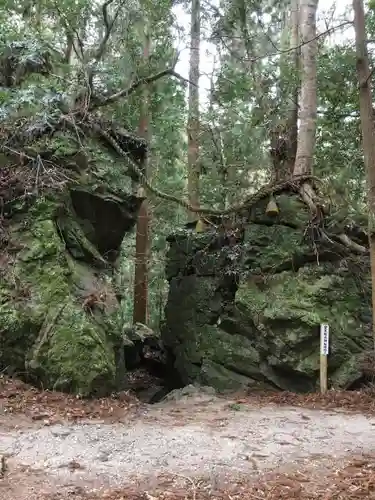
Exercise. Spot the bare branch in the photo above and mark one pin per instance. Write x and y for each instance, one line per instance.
(108, 27)
(352, 244)
(108, 24)
(72, 34)
(80, 55)
(134, 86)
(279, 51)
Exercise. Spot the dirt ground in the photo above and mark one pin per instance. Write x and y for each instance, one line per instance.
(274, 446)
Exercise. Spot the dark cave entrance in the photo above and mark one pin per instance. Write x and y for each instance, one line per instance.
(150, 373)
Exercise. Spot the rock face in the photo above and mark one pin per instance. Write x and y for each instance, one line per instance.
(248, 313)
(59, 242)
(65, 208)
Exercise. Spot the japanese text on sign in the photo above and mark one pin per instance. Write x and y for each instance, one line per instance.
(324, 339)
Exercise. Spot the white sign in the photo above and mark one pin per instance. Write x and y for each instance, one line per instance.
(324, 339)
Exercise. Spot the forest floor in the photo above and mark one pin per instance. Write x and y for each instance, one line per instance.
(264, 446)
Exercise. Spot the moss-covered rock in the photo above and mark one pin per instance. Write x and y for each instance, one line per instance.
(57, 297)
(254, 317)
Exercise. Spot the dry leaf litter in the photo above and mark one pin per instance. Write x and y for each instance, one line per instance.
(294, 458)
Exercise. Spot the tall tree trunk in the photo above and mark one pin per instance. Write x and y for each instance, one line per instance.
(140, 304)
(69, 48)
(193, 119)
(292, 121)
(368, 132)
(225, 173)
(308, 101)
(283, 138)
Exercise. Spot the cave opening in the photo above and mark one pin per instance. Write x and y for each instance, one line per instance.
(151, 373)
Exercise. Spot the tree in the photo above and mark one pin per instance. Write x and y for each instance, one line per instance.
(368, 132)
(142, 244)
(193, 118)
(291, 96)
(308, 101)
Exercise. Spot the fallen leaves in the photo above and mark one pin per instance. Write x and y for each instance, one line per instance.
(50, 407)
(354, 401)
(355, 481)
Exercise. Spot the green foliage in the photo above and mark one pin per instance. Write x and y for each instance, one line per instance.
(338, 123)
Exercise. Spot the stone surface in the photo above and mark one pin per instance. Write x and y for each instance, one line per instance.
(253, 318)
(58, 303)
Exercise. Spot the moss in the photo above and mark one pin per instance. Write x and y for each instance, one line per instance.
(57, 255)
(347, 373)
(231, 351)
(290, 309)
(73, 234)
(41, 266)
(269, 246)
(77, 356)
(76, 353)
(291, 287)
(18, 331)
(224, 380)
(108, 169)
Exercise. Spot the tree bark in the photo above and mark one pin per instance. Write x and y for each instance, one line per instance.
(308, 100)
(142, 244)
(292, 121)
(368, 132)
(284, 135)
(308, 103)
(193, 119)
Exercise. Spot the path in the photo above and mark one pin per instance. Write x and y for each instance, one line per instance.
(199, 437)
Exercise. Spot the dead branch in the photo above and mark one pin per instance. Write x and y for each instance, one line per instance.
(292, 184)
(108, 24)
(134, 86)
(72, 34)
(352, 244)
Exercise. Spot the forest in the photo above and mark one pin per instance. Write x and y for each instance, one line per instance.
(182, 167)
(187, 193)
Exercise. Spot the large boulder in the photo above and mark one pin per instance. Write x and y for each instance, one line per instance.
(66, 211)
(249, 314)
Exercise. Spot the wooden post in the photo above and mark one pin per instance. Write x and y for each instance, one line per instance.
(324, 350)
